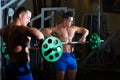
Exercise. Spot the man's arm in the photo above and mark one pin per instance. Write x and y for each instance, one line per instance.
(84, 32)
(47, 32)
(36, 33)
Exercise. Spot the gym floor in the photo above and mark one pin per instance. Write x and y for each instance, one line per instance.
(83, 75)
(98, 75)
(85, 72)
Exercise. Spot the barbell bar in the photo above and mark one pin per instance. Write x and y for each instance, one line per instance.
(78, 42)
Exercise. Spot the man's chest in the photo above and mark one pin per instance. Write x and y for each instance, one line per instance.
(65, 32)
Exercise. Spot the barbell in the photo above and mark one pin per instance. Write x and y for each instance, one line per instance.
(52, 47)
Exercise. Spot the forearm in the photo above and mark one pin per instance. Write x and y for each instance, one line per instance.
(47, 32)
(85, 33)
(35, 33)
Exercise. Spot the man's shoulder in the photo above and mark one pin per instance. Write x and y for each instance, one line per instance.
(8, 26)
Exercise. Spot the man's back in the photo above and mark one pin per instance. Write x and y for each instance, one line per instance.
(16, 39)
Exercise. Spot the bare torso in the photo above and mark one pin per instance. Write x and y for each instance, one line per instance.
(65, 34)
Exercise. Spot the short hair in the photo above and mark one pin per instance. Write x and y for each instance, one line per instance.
(18, 11)
(67, 15)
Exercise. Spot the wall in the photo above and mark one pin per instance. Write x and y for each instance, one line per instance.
(113, 21)
(28, 4)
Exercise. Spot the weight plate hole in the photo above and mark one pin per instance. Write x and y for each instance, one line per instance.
(47, 52)
(51, 57)
(56, 42)
(56, 55)
(49, 41)
(45, 46)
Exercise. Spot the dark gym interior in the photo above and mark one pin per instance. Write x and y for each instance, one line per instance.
(98, 16)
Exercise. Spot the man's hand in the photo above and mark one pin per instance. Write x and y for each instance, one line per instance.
(82, 39)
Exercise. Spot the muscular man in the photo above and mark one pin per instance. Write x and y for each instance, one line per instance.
(65, 32)
(16, 36)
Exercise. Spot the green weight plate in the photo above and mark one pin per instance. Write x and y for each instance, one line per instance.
(3, 51)
(52, 49)
(3, 47)
(94, 41)
(6, 56)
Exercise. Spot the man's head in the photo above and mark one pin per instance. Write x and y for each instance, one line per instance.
(22, 15)
(67, 15)
(68, 18)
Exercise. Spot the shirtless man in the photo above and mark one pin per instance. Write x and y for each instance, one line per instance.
(16, 36)
(65, 32)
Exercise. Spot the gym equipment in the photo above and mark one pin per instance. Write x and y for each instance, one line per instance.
(3, 51)
(51, 16)
(94, 41)
(52, 46)
(52, 49)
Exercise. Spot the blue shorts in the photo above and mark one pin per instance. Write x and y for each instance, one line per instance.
(66, 62)
(18, 71)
